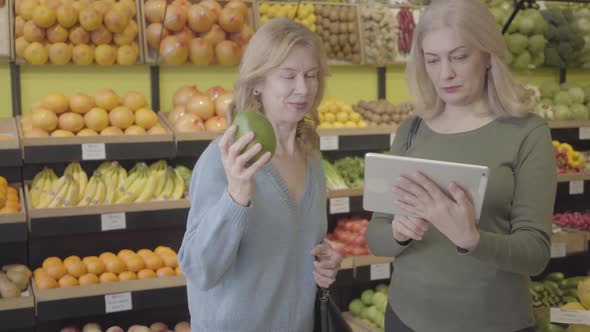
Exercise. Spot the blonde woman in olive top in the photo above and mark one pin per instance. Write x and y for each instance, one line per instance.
(452, 273)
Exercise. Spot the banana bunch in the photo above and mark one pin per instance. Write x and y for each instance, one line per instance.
(135, 185)
(41, 185)
(64, 192)
(76, 171)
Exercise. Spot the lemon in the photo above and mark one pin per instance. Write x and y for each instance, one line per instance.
(322, 117)
(326, 125)
(312, 28)
(264, 8)
(347, 108)
(338, 124)
(312, 19)
(355, 116)
(362, 124)
(330, 117)
(350, 124)
(342, 116)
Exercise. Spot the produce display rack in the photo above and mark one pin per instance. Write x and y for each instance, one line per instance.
(102, 218)
(13, 226)
(18, 314)
(80, 301)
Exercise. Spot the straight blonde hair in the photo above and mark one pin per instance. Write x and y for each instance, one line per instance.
(267, 50)
(475, 23)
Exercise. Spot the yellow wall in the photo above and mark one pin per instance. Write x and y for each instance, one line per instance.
(5, 91)
(38, 81)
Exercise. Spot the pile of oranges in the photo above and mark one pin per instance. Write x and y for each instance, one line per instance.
(9, 201)
(108, 267)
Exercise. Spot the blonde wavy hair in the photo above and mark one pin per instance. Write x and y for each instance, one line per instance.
(267, 50)
(476, 24)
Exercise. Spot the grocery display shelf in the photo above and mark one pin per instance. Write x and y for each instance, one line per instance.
(124, 147)
(345, 201)
(100, 299)
(356, 139)
(352, 262)
(17, 313)
(362, 269)
(100, 218)
(573, 177)
(569, 124)
(10, 154)
(13, 226)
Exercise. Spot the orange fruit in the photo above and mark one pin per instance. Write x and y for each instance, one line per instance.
(108, 277)
(179, 271)
(146, 274)
(127, 275)
(12, 206)
(145, 252)
(115, 265)
(165, 272)
(39, 272)
(46, 282)
(153, 262)
(170, 259)
(160, 250)
(94, 265)
(56, 271)
(125, 254)
(106, 255)
(67, 281)
(75, 266)
(88, 279)
(51, 261)
(135, 263)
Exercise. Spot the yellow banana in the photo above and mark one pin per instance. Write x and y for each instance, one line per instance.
(58, 199)
(160, 182)
(178, 186)
(133, 191)
(105, 165)
(101, 188)
(39, 176)
(47, 185)
(89, 192)
(110, 186)
(36, 189)
(150, 186)
(121, 179)
(82, 183)
(168, 187)
(71, 196)
(55, 188)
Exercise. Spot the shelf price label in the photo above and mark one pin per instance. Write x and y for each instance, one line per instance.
(576, 187)
(584, 132)
(380, 271)
(329, 143)
(94, 151)
(118, 302)
(569, 316)
(558, 249)
(339, 205)
(113, 221)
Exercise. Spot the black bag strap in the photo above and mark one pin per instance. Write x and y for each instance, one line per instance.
(413, 130)
(324, 296)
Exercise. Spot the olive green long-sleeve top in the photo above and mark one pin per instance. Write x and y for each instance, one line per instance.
(434, 286)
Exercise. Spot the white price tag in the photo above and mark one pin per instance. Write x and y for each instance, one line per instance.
(94, 151)
(584, 132)
(380, 271)
(558, 249)
(569, 316)
(113, 221)
(339, 205)
(25, 293)
(118, 302)
(576, 187)
(329, 143)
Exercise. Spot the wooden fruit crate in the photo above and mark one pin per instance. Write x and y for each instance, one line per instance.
(324, 33)
(138, 39)
(152, 55)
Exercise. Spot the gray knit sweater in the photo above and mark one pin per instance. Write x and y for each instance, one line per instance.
(250, 268)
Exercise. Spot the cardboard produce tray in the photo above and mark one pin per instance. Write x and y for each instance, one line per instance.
(152, 55)
(18, 313)
(10, 154)
(100, 299)
(124, 147)
(13, 226)
(101, 218)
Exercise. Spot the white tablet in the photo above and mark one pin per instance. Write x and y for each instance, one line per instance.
(383, 170)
